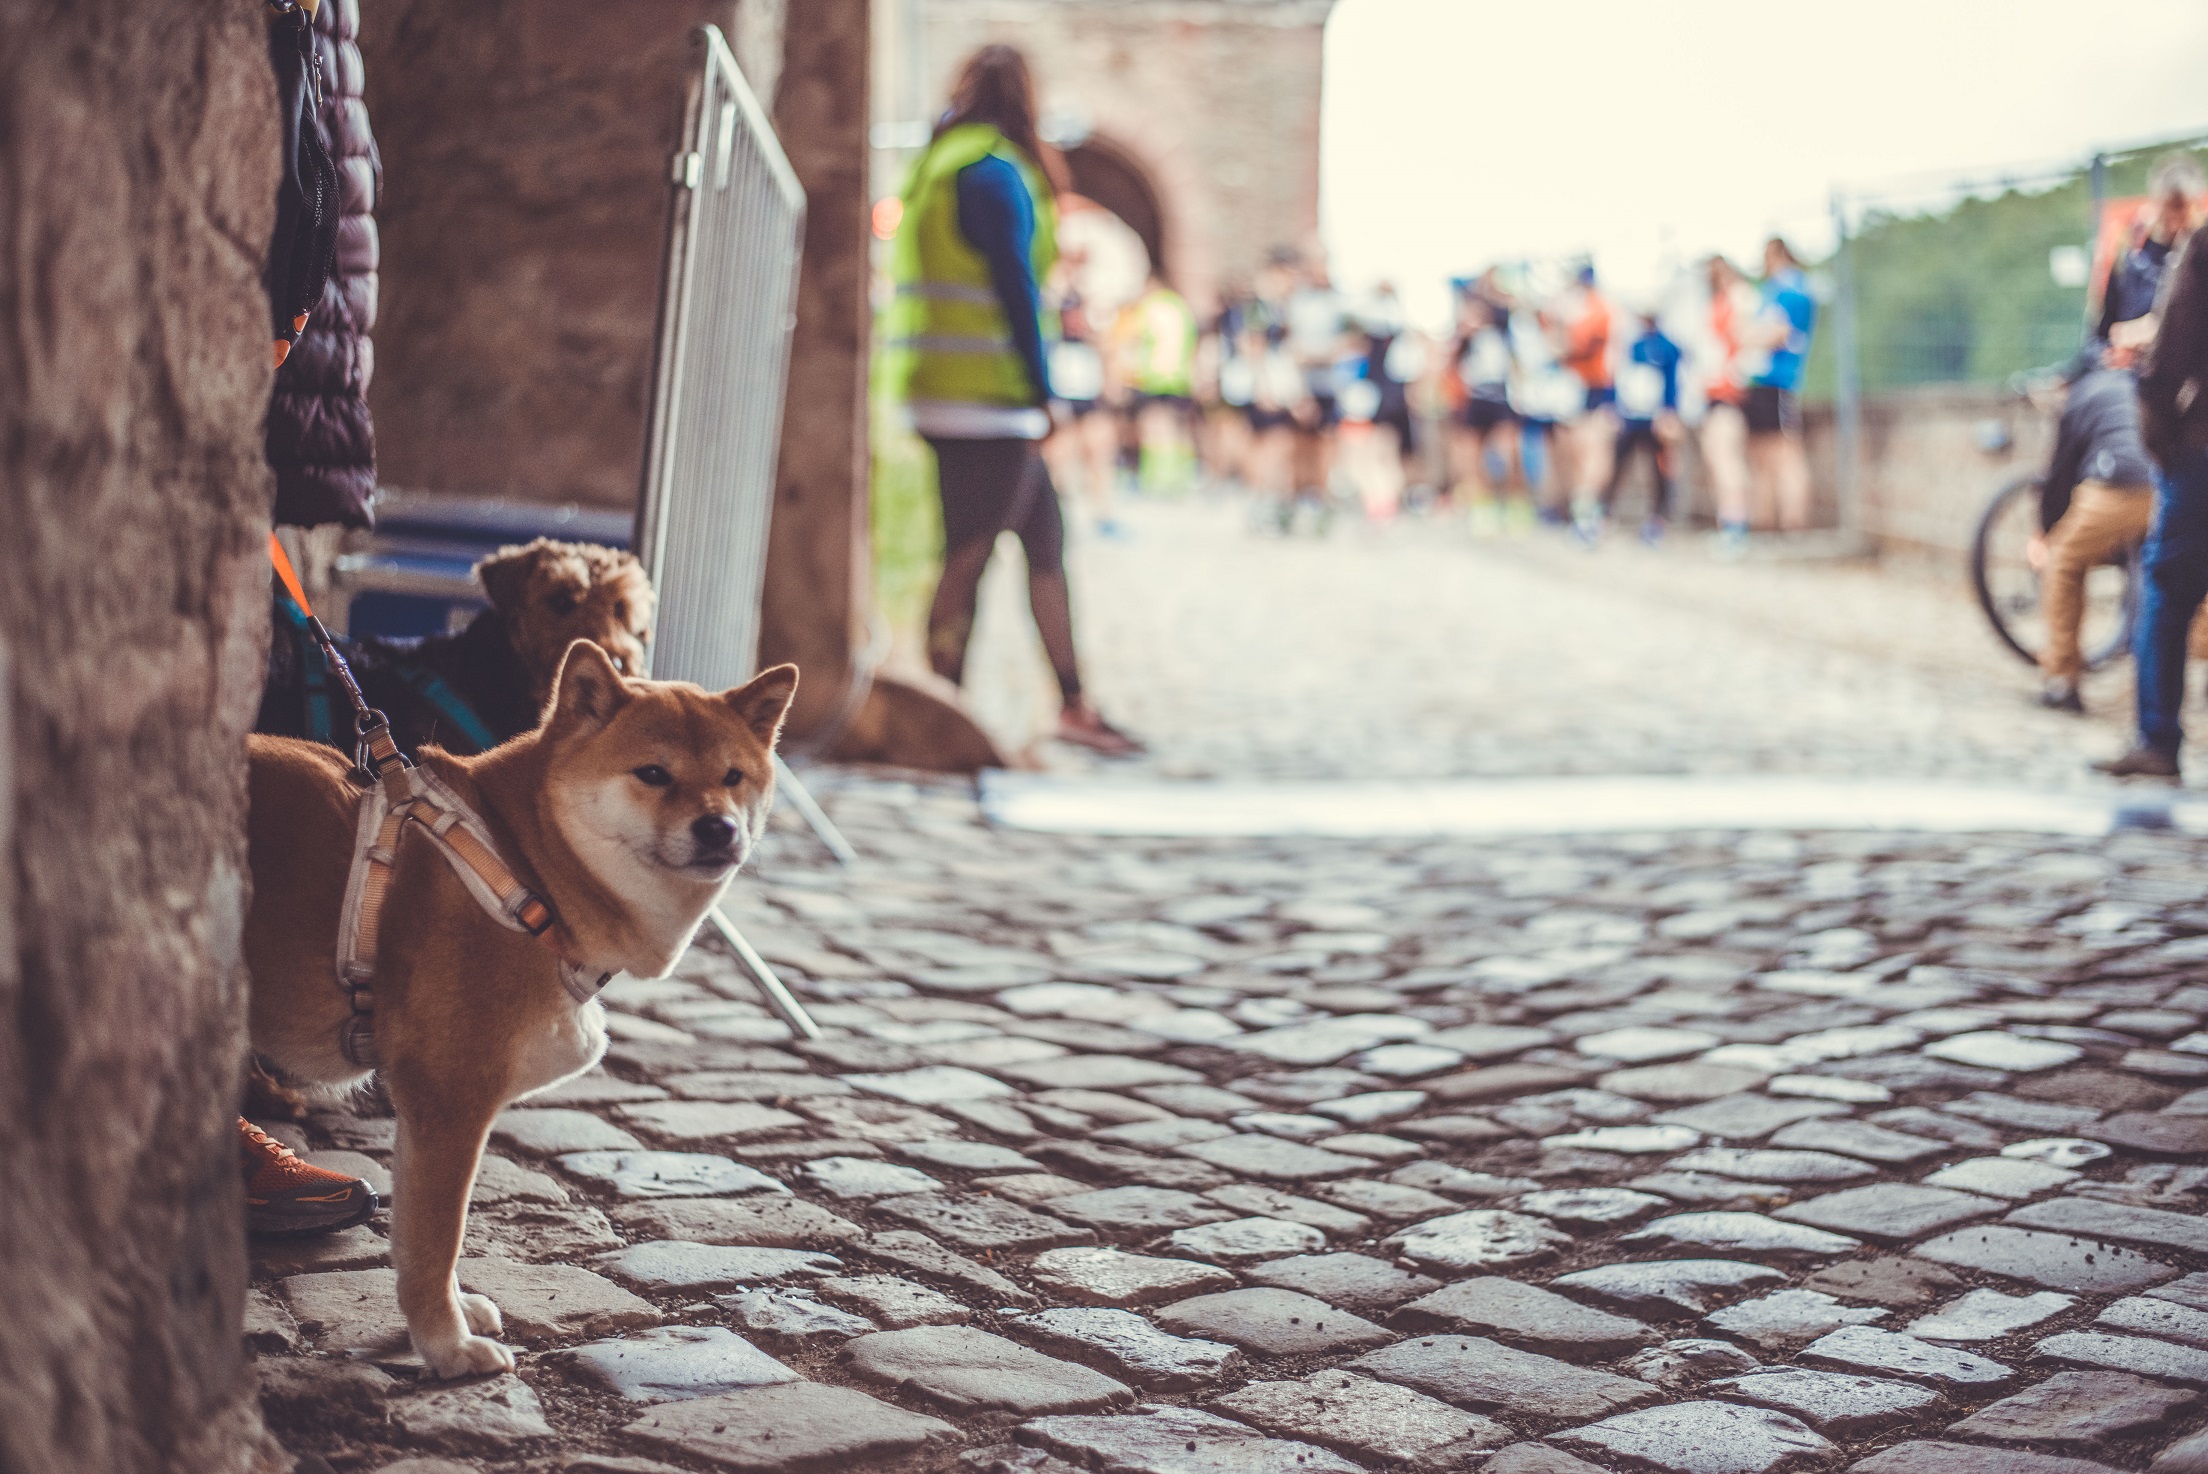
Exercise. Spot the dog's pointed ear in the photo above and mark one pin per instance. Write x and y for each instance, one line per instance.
(505, 574)
(764, 700)
(586, 692)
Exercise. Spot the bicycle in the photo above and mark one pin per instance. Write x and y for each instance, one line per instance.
(2006, 577)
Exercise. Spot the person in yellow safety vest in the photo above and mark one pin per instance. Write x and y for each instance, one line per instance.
(1163, 376)
(965, 351)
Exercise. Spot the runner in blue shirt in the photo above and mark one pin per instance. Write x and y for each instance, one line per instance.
(1648, 420)
(1778, 465)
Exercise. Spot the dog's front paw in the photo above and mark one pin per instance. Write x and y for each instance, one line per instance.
(470, 1356)
(482, 1316)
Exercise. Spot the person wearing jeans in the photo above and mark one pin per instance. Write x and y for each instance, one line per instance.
(2173, 412)
(2097, 503)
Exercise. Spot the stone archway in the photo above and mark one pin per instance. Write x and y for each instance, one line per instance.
(1110, 175)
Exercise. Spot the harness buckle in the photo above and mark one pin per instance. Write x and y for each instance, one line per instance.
(532, 914)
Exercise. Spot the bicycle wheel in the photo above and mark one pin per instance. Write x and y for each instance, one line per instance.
(2009, 590)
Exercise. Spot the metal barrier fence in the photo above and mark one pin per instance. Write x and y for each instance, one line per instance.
(728, 302)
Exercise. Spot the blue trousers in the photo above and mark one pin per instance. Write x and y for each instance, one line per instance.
(2176, 565)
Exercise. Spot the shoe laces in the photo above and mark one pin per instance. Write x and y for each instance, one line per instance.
(282, 1154)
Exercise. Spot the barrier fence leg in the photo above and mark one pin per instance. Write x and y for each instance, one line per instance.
(783, 1001)
(802, 800)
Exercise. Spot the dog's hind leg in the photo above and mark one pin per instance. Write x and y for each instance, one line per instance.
(441, 1136)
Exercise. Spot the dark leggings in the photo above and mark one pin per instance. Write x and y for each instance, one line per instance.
(989, 487)
(1634, 437)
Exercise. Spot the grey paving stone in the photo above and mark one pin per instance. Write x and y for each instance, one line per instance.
(1247, 1238)
(791, 1425)
(500, 1180)
(2163, 1359)
(1271, 1202)
(1706, 1438)
(1478, 1238)
(1175, 1440)
(1097, 1072)
(2058, 1151)
(1785, 1319)
(1936, 1456)
(1030, 1188)
(2118, 1221)
(2076, 1407)
(1991, 1049)
(349, 1310)
(675, 1362)
(1127, 1346)
(1500, 1082)
(2191, 1290)
(1891, 1212)
(1271, 1158)
(1273, 1322)
(1370, 1107)
(1870, 1350)
(269, 1326)
(1299, 1088)
(1835, 1403)
(1456, 1182)
(1681, 1083)
(1384, 1199)
(794, 1315)
(770, 1221)
(1480, 1042)
(2001, 1177)
(1590, 1207)
(2186, 1456)
(1772, 1164)
(498, 1416)
(1711, 1190)
(860, 1178)
(1196, 1100)
(1919, 1121)
(1135, 1209)
(963, 1156)
(766, 1085)
(965, 1370)
(1474, 1372)
(1537, 1458)
(674, 1264)
(1355, 1282)
(544, 1301)
(982, 1224)
(2057, 1261)
(1162, 1135)
(1113, 1277)
(537, 1231)
(1858, 1139)
(1746, 1116)
(1892, 1281)
(894, 1301)
(2013, 1114)
(706, 1120)
(1130, 1166)
(1742, 1233)
(668, 1174)
(916, 1252)
(1456, 1128)
(1988, 1315)
(1372, 1420)
(1688, 1361)
(2157, 1317)
(1668, 1287)
(1526, 1315)
(1630, 1140)
(545, 1131)
(2155, 1134)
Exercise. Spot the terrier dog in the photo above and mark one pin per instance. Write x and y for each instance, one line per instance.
(628, 811)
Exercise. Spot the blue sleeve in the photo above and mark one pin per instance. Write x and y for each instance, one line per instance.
(998, 219)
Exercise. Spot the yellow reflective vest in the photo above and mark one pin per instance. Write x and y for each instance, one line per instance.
(947, 336)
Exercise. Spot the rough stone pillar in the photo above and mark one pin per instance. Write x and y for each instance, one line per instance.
(138, 161)
(817, 586)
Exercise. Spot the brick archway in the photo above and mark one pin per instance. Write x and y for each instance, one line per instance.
(1113, 177)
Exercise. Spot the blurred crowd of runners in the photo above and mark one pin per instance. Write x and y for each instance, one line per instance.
(1546, 400)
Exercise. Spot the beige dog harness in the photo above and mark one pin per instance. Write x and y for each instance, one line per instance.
(398, 795)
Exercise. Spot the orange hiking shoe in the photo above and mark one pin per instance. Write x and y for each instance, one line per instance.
(286, 1198)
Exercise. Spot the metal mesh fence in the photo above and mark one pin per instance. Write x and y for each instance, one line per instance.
(727, 310)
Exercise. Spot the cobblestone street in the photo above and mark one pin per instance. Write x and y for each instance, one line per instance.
(1692, 1152)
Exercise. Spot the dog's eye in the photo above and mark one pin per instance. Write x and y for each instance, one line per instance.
(652, 775)
(732, 777)
(563, 602)
(620, 611)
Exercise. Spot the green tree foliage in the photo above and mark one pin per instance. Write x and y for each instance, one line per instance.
(1965, 294)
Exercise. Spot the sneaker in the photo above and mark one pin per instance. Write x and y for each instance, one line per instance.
(286, 1198)
(1080, 725)
(1732, 542)
(2141, 762)
(1652, 531)
(2058, 694)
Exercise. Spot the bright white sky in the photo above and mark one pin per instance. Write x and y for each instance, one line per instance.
(1457, 132)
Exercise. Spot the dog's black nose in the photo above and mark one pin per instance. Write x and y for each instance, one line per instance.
(714, 832)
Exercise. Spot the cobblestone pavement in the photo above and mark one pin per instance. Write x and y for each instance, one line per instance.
(1690, 1152)
(1418, 652)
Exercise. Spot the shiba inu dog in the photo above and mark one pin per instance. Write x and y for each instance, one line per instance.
(628, 810)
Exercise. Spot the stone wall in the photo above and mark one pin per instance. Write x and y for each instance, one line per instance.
(1928, 470)
(138, 163)
(1217, 100)
(525, 149)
